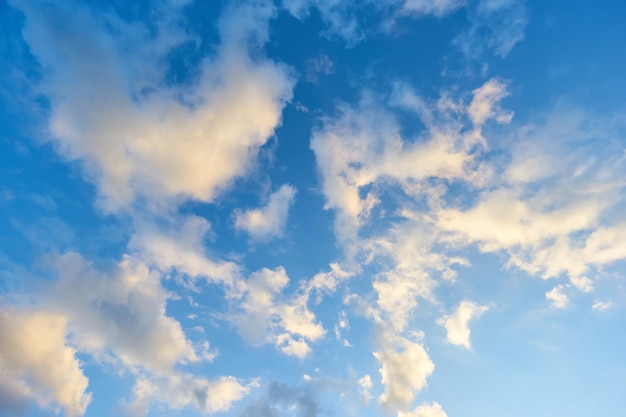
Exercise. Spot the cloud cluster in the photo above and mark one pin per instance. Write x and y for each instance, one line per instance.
(139, 136)
(269, 221)
(457, 323)
(405, 366)
(268, 316)
(38, 363)
(148, 143)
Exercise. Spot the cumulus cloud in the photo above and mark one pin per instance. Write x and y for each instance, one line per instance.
(553, 208)
(180, 391)
(269, 221)
(38, 364)
(602, 305)
(180, 247)
(301, 401)
(405, 367)
(366, 385)
(139, 137)
(557, 297)
(120, 318)
(433, 409)
(121, 314)
(457, 323)
(364, 147)
(267, 316)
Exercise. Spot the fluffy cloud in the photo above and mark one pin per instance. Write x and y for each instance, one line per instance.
(180, 391)
(267, 222)
(457, 324)
(366, 385)
(553, 208)
(37, 363)
(364, 147)
(138, 136)
(425, 410)
(180, 247)
(557, 297)
(405, 366)
(268, 316)
(121, 314)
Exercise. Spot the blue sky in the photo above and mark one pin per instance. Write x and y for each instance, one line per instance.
(258, 208)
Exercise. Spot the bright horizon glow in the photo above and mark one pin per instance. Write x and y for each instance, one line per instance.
(268, 208)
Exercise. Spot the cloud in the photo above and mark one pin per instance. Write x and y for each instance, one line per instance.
(363, 147)
(485, 103)
(267, 316)
(425, 410)
(120, 318)
(557, 298)
(405, 366)
(552, 206)
(457, 324)
(180, 391)
(120, 314)
(366, 385)
(267, 222)
(495, 26)
(180, 247)
(139, 137)
(37, 363)
(433, 7)
(353, 21)
(299, 400)
(602, 305)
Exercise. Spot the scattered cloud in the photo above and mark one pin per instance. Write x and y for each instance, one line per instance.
(602, 305)
(366, 385)
(495, 26)
(269, 221)
(425, 410)
(139, 138)
(267, 316)
(405, 366)
(557, 297)
(38, 364)
(180, 391)
(457, 324)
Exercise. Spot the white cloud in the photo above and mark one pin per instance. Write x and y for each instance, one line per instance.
(557, 298)
(180, 247)
(180, 391)
(363, 148)
(121, 314)
(37, 362)
(140, 138)
(366, 385)
(602, 305)
(412, 267)
(485, 103)
(425, 410)
(267, 316)
(457, 324)
(405, 366)
(343, 19)
(269, 221)
(553, 208)
(435, 7)
(495, 25)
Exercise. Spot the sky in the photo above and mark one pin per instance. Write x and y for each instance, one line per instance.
(268, 208)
